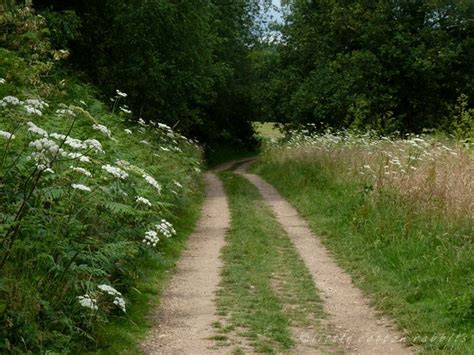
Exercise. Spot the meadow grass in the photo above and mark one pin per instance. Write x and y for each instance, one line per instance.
(404, 234)
(265, 288)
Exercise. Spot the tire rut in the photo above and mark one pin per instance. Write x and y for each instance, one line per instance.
(358, 328)
(183, 322)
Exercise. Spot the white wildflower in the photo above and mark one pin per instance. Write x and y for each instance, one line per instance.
(58, 136)
(103, 129)
(120, 93)
(65, 112)
(81, 171)
(143, 200)
(165, 228)
(35, 129)
(151, 238)
(109, 290)
(149, 179)
(141, 122)
(117, 172)
(81, 187)
(12, 100)
(144, 142)
(128, 131)
(94, 144)
(120, 302)
(124, 110)
(33, 111)
(164, 149)
(178, 184)
(88, 302)
(7, 135)
(36, 103)
(2, 81)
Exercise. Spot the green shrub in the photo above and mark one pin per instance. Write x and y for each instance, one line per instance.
(86, 197)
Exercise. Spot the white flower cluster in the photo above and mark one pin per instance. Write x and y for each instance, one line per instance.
(81, 171)
(46, 151)
(65, 112)
(151, 238)
(118, 299)
(103, 129)
(128, 131)
(143, 200)
(81, 187)
(166, 228)
(36, 103)
(7, 135)
(149, 179)
(121, 94)
(88, 302)
(32, 106)
(9, 100)
(125, 110)
(117, 172)
(36, 130)
(2, 81)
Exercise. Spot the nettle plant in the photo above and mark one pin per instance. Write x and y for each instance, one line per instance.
(82, 199)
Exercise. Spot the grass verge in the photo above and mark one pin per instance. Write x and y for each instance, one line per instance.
(413, 265)
(123, 336)
(266, 291)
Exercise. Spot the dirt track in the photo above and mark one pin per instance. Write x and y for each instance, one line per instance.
(187, 311)
(358, 328)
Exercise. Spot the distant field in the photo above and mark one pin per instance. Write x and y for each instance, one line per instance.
(267, 129)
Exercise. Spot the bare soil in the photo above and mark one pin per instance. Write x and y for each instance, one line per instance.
(183, 322)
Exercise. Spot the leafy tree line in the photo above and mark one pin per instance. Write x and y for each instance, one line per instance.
(184, 63)
(391, 65)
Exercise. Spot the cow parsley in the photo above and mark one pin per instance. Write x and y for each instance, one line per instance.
(2, 81)
(35, 129)
(88, 302)
(81, 171)
(151, 238)
(103, 129)
(121, 94)
(7, 135)
(120, 302)
(36, 103)
(94, 144)
(166, 228)
(65, 112)
(149, 179)
(117, 172)
(128, 131)
(81, 187)
(109, 289)
(143, 200)
(11, 100)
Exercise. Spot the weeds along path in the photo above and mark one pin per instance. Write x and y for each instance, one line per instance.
(358, 328)
(187, 311)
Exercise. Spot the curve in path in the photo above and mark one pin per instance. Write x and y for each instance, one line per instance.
(359, 329)
(187, 311)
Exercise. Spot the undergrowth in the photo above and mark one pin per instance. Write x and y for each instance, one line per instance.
(89, 199)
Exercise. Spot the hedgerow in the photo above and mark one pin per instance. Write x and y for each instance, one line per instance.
(86, 195)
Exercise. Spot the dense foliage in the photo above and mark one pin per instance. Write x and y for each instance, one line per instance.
(87, 196)
(185, 63)
(390, 65)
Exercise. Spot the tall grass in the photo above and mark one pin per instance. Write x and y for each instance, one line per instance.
(435, 175)
(397, 214)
